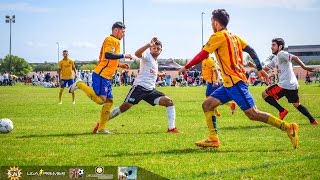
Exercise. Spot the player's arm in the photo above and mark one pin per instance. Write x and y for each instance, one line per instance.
(59, 70)
(74, 70)
(109, 49)
(298, 61)
(202, 55)
(140, 51)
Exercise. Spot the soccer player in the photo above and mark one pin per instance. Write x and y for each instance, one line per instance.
(211, 76)
(143, 87)
(101, 91)
(65, 68)
(228, 49)
(288, 84)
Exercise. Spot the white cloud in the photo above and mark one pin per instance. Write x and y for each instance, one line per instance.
(292, 4)
(83, 44)
(24, 7)
(36, 44)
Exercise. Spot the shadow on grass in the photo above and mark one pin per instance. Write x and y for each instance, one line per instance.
(243, 127)
(187, 151)
(267, 165)
(83, 134)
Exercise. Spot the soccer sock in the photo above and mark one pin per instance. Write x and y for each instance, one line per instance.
(305, 112)
(89, 92)
(73, 96)
(171, 114)
(274, 103)
(276, 122)
(216, 112)
(60, 94)
(212, 124)
(114, 113)
(229, 103)
(104, 115)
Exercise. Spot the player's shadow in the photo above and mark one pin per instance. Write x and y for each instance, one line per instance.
(243, 127)
(263, 166)
(84, 134)
(190, 151)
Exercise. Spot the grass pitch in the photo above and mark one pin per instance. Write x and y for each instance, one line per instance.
(48, 134)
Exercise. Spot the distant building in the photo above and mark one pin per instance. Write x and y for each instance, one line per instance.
(305, 52)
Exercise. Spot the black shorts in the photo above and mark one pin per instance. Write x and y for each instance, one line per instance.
(278, 92)
(138, 93)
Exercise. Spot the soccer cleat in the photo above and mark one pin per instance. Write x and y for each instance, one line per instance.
(104, 131)
(60, 102)
(74, 102)
(314, 122)
(283, 114)
(293, 134)
(74, 86)
(216, 112)
(208, 142)
(233, 107)
(173, 130)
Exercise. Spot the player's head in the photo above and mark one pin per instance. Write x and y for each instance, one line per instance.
(277, 45)
(219, 20)
(118, 30)
(156, 49)
(65, 53)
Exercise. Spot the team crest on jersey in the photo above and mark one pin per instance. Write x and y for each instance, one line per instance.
(113, 49)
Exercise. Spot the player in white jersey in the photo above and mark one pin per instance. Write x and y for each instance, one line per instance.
(288, 84)
(143, 87)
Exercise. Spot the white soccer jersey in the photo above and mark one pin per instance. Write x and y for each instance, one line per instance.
(287, 78)
(147, 76)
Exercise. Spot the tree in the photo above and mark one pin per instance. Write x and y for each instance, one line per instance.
(181, 61)
(15, 64)
(45, 67)
(135, 64)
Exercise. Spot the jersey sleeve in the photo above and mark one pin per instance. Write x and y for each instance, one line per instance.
(271, 63)
(243, 43)
(109, 46)
(214, 42)
(59, 65)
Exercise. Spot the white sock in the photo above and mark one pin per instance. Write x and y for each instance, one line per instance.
(171, 113)
(114, 113)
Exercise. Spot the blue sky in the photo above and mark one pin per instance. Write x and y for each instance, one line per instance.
(81, 25)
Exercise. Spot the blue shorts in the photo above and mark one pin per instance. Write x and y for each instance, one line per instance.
(210, 88)
(65, 82)
(102, 86)
(238, 92)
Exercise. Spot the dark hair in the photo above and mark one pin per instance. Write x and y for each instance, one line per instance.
(158, 43)
(221, 16)
(279, 42)
(65, 51)
(118, 25)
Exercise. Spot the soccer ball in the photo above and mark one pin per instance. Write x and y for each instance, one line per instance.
(6, 125)
(81, 172)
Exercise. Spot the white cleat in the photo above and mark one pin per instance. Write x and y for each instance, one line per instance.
(74, 86)
(104, 131)
(74, 102)
(60, 102)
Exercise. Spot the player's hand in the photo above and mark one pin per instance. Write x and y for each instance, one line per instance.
(124, 66)
(310, 69)
(182, 70)
(262, 74)
(128, 56)
(153, 41)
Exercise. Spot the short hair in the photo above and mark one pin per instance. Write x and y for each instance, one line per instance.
(119, 25)
(64, 51)
(279, 42)
(221, 16)
(158, 43)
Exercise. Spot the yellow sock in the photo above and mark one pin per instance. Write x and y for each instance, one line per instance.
(229, 103)
(60, 94)
(211, 123)
(276, 122)
(89, 92)
(73, 96)
(104, 115)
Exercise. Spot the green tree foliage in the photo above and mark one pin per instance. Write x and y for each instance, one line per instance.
(45, 67)
(88, 67)
(15, 64)
(181, 62)
(135, 64)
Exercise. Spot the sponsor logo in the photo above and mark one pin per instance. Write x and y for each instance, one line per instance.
(76, 173)
(99, 170)
(14, 173)
(126, 173)
(41, 172)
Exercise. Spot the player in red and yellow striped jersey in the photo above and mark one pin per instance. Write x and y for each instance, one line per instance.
(65, 68)
(101, 91)
(210, 75)
(228, 50)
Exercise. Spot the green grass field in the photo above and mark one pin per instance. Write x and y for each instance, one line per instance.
(48, 134)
